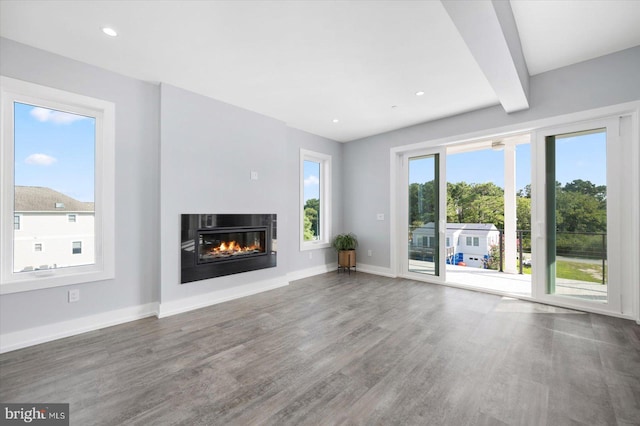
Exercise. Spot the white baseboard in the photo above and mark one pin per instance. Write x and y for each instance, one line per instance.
(309, 272)
(322, 269)
(203, 300)
(46, 333)
(375, 270)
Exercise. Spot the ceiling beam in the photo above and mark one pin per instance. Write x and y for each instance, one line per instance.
(489, 30)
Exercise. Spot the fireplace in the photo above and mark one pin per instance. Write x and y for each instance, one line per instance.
(214, 245)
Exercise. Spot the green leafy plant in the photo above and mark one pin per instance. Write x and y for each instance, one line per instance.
(345, 242)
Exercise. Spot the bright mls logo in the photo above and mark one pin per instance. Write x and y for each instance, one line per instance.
(37, 414)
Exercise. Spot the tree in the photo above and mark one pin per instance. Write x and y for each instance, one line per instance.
(422, 202)
(525, 192)
(308, 233)
(475, 203)
(587, 188)
(311, 209)
(523, 212)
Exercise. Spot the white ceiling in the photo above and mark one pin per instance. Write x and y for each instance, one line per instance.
(308, 62)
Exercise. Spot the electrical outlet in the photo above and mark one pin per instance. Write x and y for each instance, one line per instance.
(74, 295)
(254, 175)
(380, 216)
(370, 253)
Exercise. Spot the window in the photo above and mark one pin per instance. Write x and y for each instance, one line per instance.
(448, 242)
(476, 241)
(76, 247)
(469, 241)
(57, 156)
(315, 200)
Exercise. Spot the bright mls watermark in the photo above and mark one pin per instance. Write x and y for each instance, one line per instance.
(36, 414)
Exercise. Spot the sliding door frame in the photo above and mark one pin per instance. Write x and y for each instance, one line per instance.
(630, 111)
(543, 228)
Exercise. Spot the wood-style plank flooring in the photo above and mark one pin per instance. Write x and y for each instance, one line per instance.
(344, 349)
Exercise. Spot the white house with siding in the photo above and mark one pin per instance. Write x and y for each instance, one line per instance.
(471, 242)
(51, 230)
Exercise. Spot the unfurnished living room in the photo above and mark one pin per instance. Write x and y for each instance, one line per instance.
(320, 212)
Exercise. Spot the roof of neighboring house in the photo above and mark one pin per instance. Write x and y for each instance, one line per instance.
(467, 228)
(472, 226)
(41, 199)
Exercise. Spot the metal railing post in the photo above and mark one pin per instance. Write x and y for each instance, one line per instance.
(501, 244)
(604, 255)
(520, 250)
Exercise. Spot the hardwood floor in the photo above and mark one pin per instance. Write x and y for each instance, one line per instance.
(344, 349)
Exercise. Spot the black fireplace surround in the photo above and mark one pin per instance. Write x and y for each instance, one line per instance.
(214, 245)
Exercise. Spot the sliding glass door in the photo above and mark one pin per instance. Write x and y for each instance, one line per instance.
(425, 214)
(578, 207)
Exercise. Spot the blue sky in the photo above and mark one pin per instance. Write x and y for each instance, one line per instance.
(311, 180)
(55, 149)
(579, 157)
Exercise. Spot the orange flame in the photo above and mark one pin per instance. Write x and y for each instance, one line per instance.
(233, 247)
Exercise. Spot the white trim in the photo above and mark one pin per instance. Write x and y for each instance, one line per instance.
(635, 208)
(104, 114)
(46, 333)
(375, 270)
(325, 195)
(310, 272)
(218, 296)
(402, 205)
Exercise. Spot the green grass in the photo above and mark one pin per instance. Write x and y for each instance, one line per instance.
(575, 271)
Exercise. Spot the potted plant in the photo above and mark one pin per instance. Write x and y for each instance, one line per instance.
(346, 245)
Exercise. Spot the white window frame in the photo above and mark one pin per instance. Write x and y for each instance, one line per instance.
(325, 200)
(469, 242)
(19, 223)
(74, 216)
(35, 247)
(476, 241)
(12, 90)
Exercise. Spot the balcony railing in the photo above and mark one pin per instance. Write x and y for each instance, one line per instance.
(578, 245)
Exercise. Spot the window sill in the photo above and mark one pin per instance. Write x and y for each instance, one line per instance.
(314, 245)
(37, 280)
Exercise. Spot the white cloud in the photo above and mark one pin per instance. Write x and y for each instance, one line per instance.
(311, 180)
(57, 117)
(40, 160)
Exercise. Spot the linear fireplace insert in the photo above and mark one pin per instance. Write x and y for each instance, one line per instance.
(214, 245)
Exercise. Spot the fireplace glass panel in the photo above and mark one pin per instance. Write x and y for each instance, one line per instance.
(222, 245)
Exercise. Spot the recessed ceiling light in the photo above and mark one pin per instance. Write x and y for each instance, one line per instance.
(335, 120)
(420, 93)
(109, 31)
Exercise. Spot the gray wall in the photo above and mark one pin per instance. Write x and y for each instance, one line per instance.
(136, 198)
(604, 81)
(208, 150)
